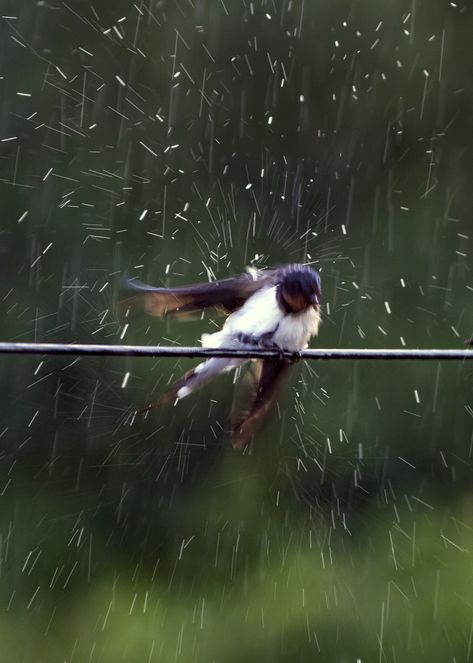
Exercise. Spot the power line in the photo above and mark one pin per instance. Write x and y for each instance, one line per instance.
(80, 349)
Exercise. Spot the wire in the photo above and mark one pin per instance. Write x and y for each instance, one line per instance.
(78, 349)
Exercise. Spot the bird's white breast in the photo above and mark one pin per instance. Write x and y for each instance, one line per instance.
(260, 315)
(294, 331)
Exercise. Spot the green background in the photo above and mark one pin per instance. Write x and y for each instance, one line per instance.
(181, 141)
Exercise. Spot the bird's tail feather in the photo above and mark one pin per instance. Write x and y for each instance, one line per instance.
(196, 378)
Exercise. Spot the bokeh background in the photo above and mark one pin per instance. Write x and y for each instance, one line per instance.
(184, 140)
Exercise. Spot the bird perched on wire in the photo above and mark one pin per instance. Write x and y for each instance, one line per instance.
(275, 309)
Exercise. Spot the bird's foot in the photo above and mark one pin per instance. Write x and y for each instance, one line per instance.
(281, 354)
(267, 343)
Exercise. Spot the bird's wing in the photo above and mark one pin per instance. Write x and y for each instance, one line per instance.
(226, 295)
(263, 381)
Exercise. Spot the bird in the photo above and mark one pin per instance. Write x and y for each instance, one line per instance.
(278, 309)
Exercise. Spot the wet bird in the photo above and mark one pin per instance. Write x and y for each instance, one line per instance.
(276, 309)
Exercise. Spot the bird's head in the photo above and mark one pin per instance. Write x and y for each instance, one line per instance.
(299, 288)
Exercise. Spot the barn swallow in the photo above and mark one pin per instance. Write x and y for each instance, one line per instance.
(276, 309)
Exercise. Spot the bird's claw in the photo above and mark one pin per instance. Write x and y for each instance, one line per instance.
(282, 354)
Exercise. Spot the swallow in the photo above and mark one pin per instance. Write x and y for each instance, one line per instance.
(277, 309)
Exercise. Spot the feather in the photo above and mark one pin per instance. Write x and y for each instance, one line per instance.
(197, 377)
(227, 295)
(263, 385)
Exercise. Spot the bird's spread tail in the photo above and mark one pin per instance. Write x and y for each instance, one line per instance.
(196, 378)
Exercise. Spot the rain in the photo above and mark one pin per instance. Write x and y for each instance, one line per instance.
(186, 141)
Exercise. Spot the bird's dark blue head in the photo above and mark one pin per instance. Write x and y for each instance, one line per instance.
(299, 288)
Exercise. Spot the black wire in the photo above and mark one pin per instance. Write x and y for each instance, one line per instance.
(78, 349)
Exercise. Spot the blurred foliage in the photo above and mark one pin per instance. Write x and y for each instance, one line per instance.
(178, 141)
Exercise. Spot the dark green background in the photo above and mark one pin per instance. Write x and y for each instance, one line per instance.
(345, 533)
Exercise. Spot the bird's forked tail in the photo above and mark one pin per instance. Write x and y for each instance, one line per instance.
(195, 379)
